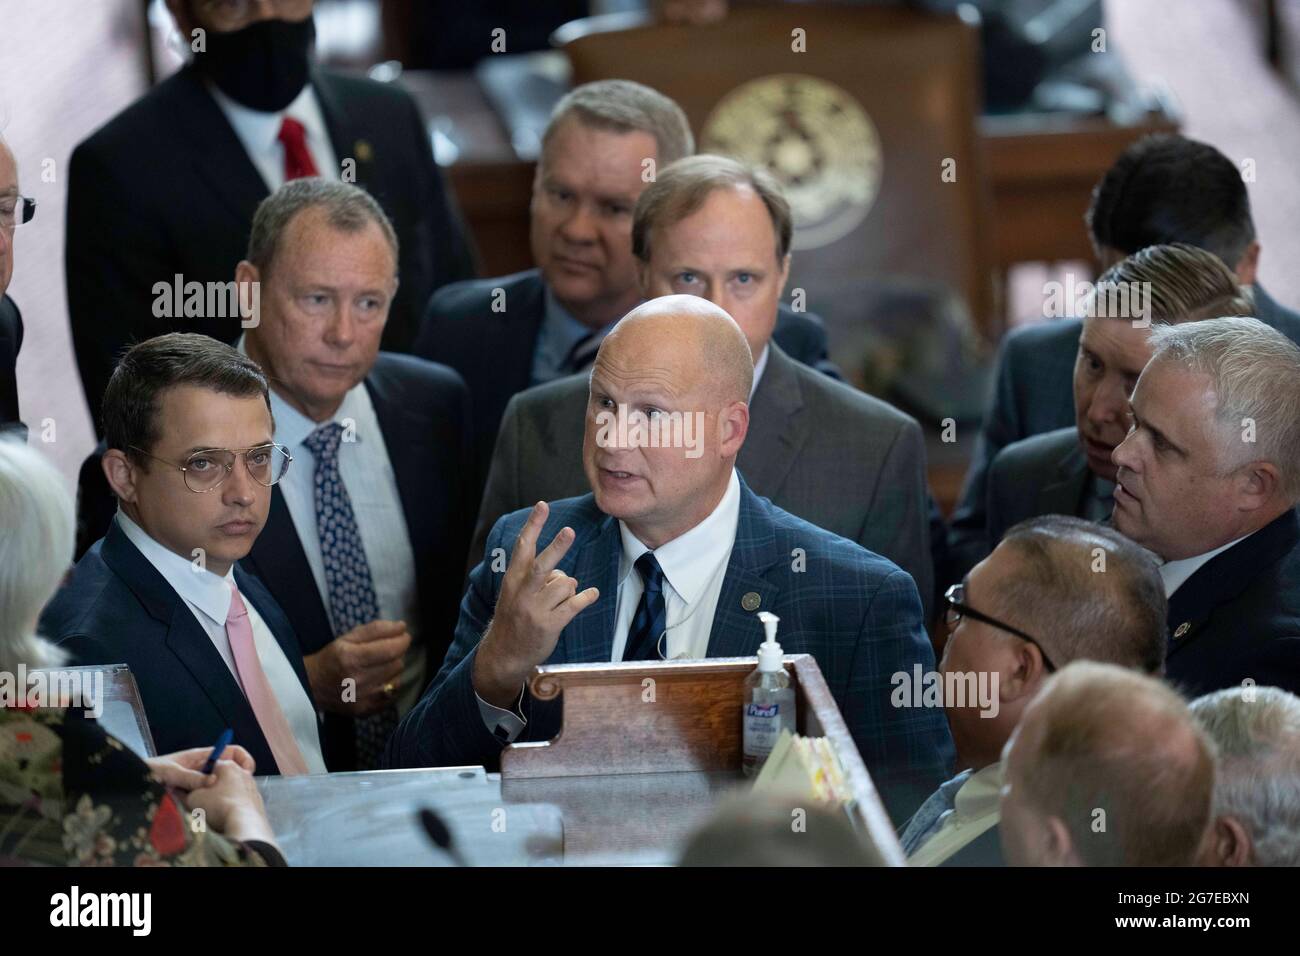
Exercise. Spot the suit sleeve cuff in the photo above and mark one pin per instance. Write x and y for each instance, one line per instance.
(504, 725)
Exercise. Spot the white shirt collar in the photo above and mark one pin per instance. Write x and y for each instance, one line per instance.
(1176, 573)
(689, 560)
(978, 796)
(198, 586)
(759, 368)
(292, 427)
(262, 130)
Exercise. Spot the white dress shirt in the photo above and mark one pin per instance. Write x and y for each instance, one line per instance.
(367, 473)
(694, 565)
(260, 134)
(975, 810)
(208, 597)
(759, 368)
(1175, 573)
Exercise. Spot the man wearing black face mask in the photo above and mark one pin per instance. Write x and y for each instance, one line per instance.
(163, 196)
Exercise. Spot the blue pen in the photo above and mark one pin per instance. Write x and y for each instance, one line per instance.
(222, 743)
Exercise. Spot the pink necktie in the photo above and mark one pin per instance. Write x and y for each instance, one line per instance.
(284, 747)
(298, 160)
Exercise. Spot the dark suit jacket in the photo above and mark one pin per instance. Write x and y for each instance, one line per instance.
(856, 612)
(1242, 615)
(984, 850)
(116, 608)
(1034, 393)
(423, 412)
(1043, 475)
(842, 460)
(166, 188)
(11, 341)
(493, 351)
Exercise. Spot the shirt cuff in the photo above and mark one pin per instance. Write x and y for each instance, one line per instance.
(504, 725)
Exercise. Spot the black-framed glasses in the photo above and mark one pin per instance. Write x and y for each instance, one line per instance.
(957, 609)
(16, 212)
(207, 468)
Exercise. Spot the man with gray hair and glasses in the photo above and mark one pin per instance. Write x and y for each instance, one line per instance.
(1208, 478)
(1257, 785)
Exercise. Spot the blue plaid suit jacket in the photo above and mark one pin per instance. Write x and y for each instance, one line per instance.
(857, 613)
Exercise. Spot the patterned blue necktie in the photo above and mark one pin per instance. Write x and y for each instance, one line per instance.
(347, 575)
(651, 618)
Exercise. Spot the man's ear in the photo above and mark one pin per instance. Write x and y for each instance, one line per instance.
(1060, 848)
(733, 426)
(121, 474)
(1257, 484)
(1228, 843)
(1026, 675)
(1247, 268)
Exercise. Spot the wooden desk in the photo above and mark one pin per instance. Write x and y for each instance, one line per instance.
(626, 782)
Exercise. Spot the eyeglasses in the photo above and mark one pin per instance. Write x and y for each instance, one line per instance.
(957, 609)
(14, 212)
(233, 14)
(209, 467)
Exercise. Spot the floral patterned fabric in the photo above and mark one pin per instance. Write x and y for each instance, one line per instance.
(71, 794)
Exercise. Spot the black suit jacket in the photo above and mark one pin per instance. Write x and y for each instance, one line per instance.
(493, 351)
(166, 188)
(423, 412)
(1043, 475)
(117, 609)
(11, 341)
(1238, 616)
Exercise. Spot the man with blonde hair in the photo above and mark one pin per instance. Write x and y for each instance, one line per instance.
(1208, 478)
(1257, 787)
(1069, 471)
(1106, 768)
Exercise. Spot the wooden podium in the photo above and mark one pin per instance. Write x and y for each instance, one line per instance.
(645, 754)
(646, 750)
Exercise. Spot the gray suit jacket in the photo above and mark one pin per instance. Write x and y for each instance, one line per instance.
(1043, 475)
(817, 448)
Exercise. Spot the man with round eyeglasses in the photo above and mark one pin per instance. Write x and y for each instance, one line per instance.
(192, 460)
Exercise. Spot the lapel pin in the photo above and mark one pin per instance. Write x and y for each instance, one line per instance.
(751, 601)
(1182, 629)
(363, 151)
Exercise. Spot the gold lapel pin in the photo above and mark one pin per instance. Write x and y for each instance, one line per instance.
(751, 601)
(1182, 629)
(363, 150)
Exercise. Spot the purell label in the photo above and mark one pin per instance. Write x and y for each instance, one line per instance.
(762, 728)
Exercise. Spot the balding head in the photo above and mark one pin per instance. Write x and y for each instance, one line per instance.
(667, 415)
(1107, 768)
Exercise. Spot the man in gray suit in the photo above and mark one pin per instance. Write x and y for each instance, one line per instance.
(1069, 471)
(817, 448)
(1162, 189)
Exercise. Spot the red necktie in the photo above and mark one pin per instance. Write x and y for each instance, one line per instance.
(297, 158)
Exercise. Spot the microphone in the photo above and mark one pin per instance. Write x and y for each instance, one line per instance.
(440, 835)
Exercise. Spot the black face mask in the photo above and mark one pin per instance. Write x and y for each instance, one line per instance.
(263, 66)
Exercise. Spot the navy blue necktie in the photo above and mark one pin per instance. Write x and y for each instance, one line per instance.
(651, 618)
(347, 575)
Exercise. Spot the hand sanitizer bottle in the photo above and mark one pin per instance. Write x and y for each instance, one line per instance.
(769, 701)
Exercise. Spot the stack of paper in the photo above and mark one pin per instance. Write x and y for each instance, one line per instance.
(805, 768)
